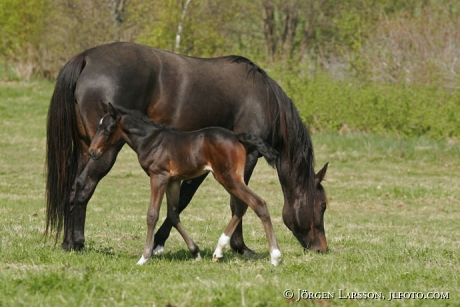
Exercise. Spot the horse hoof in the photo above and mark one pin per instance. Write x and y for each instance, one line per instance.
(160, 249)
(243, 251)
(66, 246)
(142, 260)
(198, 257)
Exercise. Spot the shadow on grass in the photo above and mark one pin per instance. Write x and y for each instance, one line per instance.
(206, 255)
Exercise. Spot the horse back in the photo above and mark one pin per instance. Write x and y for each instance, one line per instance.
(184, 92)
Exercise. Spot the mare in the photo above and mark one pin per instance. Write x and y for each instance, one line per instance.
(169, 156)
(186, 93)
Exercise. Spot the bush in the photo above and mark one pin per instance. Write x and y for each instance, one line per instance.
(327, 104)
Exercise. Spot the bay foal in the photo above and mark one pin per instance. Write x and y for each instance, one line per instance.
(169, 156)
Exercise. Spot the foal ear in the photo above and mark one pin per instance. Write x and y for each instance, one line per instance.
(320, 175)
(114, 113)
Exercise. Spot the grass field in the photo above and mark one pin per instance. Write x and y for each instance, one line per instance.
(392, 226)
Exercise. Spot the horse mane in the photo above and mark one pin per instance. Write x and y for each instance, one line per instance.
(252, 68)
(297, 144)
(296, 138)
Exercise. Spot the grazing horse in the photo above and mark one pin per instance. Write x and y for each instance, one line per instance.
(169, 156)
(188, 94)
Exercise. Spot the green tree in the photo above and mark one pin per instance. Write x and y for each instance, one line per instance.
(22, 23)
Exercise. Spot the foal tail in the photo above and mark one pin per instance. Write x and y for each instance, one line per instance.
(252, 141)
(62, 147)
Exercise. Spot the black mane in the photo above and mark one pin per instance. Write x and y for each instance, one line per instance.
(142, 118)
(297, 143)
(252, 68)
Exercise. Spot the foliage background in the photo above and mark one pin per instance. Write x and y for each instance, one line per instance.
(388, 68)
(381, 66)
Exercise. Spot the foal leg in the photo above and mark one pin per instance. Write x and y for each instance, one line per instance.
(157, 189)
(224, 239)
(237, 242)
(260, 208)
(241, 191)
(187, 190)
(84, 188)
(172, 194)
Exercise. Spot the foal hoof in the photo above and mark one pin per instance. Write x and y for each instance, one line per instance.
(275, 256)
(142, 260)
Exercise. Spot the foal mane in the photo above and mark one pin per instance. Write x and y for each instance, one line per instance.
(143, 119)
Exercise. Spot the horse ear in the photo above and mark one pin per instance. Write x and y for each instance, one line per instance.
(320, 175)
(114, 113)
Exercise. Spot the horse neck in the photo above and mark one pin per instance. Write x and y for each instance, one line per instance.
(296, 165)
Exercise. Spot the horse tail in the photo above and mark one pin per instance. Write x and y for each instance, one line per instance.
(252, 141)
(62, 147)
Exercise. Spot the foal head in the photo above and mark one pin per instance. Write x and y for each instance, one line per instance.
(108, 132)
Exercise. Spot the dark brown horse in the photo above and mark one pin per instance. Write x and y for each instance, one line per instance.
(186, 93)
(169, 156)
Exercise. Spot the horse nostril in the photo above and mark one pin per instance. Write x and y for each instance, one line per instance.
(92, 154)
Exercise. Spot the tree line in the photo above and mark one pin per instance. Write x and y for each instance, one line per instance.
(393, 41)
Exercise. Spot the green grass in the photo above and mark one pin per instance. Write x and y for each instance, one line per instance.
(392, 226)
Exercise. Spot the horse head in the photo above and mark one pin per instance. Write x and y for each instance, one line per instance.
(307, 223)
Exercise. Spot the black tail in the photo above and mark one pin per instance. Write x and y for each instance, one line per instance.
(62, 147)
(250, 140)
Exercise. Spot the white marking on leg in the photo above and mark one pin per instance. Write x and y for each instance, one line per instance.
(275, 256)
(142, 260)
(208, 168)
(198, 257)
(221, 244)
(160, 249)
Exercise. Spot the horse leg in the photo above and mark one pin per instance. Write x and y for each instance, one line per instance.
(242, 192)
(84, 188)
(187, 190)
(172, 194)
(157, 190)
(237, 242)
(67, 243)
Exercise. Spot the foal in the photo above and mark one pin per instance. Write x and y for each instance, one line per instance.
(169, 156)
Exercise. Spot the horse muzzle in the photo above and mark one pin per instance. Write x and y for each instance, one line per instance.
(319, 244)
(314, 242)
